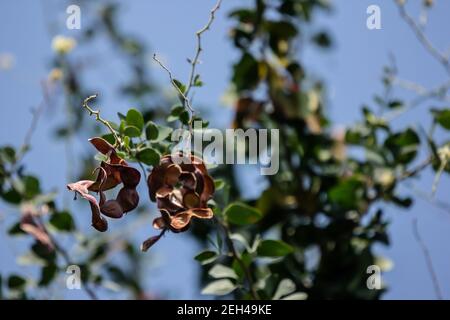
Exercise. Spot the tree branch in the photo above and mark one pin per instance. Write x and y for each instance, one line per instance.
(186, 101)
(99, 119)
(428, 260)
(65, 255)
(199, 49)
(444, 60)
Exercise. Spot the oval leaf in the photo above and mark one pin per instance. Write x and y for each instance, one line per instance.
(274, 248)
(149, 156)
(132, 131)
(135, 118)
(220, 271)
(219, 287)
(242, 214)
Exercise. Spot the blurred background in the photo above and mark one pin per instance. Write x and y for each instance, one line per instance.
(351, 70)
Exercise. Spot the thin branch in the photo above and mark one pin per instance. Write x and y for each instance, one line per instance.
(416, 170)
(236, 256)
(199, 49)
(441, 205)
(438, 92)
(65, 255)
(194, 62)
(99, 119)
(428, 260)
(444, 60)
(172, 80)
(37, 113)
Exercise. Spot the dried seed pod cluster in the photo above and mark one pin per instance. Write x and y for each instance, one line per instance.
(181, 192)
(180, 188)
(111, 173)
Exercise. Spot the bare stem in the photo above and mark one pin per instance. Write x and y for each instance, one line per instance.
(99, 119)
(37, 113)
(415, 171)
(186, 101)
(428, 260)
(193, 62)
(199, 48)
(65, 255)
(444, 60)
(237, 257)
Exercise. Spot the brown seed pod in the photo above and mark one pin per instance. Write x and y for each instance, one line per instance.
(111, 173)
(181, 192)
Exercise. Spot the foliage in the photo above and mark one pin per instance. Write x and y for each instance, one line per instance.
(326, 199)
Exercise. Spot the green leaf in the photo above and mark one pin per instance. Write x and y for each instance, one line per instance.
(126, 141)
(121, 116)
(16, 282)
(206, 257)
(132, 131)
(135, 118)
(149, 156)
(163, 133)
(219, 287)
(246, 259)
(274, 248)
(403, 145)
(185, 117)
(8, 154)
(442, 117)
(296, 296)
(220, 271)
(197, 81)
(110, 138)
(347, 193)
(322, 39)
(242, 214)
(245, 73)
(394, 104)
(48, 273)
(151, 130)
(12, 196)
(32, 186)
(219, 184)
(175, 113)
(62, 221)
(101, 157)
(43, 252)
(180, 85)
(285, 287)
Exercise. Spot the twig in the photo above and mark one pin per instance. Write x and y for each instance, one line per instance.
(186, 101)
(441, 205)
(413, 172)
(424, 94)
(99, 119)
(423, 38)
(37, 113)
(199, 49)
(236, 256)
(428, 260)
(194, 62)
(65, 255)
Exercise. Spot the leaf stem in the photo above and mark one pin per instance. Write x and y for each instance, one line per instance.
(230, 244)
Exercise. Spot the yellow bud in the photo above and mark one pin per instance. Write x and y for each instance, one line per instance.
(63, 45)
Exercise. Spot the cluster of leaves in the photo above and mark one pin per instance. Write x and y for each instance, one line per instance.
(325, 203)
(19, 190)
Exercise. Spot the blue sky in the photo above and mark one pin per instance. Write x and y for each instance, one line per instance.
(352, 72)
